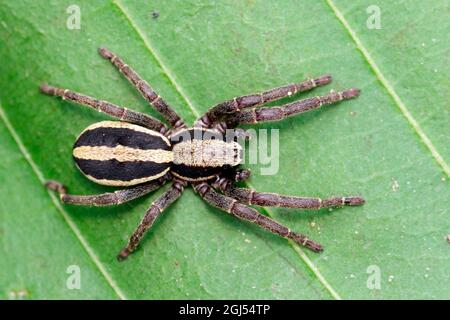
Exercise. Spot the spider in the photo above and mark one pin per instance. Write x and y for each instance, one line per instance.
(142, 153)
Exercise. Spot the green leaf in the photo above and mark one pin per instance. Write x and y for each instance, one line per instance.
(390, 145)
(39, 249)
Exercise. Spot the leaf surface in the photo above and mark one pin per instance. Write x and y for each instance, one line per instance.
(390, 145)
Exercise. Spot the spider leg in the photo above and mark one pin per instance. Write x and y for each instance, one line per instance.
(257, 115)
(105, 199)
(225, 181)
(242, 175)
(238, 133)
(244, 212)
(106, 107)
(266, 199)
(257, 99)
(156, 208)
(144, 88)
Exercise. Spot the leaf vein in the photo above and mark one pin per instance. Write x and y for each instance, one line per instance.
(390, 89)
(57, 204)
(158, 59)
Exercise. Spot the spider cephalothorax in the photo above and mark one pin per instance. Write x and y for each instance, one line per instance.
(142, 153)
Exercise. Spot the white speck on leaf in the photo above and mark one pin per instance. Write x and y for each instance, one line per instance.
(395, 185)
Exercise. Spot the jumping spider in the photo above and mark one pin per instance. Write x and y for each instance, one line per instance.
(142, 152)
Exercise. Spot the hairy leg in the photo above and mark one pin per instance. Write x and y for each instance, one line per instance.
(157, 207)
(257, 115)
(266, 199)
(244, 212)
(253, 100)
(106, 107)
(105, 199)
(144, 88)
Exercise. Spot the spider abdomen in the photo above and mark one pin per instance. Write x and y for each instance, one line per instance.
(122, 154)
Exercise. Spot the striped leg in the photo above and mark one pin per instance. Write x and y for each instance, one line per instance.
(243, 212)
(256, 115)
(106, 107)
(265, 199)
(105, 199)
(254, 100)
(157, 207)
(224, 182)
(143, 87)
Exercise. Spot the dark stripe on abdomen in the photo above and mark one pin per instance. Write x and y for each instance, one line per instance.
(196, 172)
(120, 171)
(196, 133)
(112, 137)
